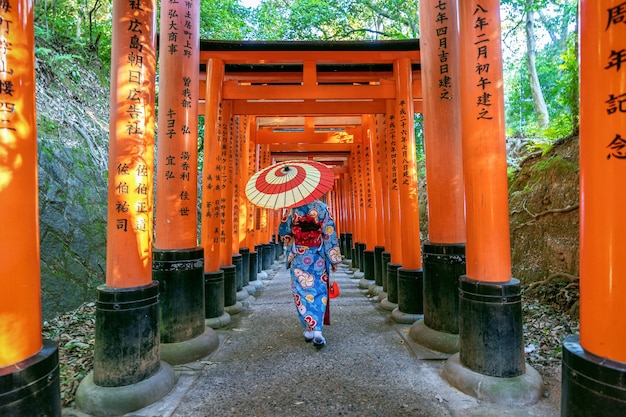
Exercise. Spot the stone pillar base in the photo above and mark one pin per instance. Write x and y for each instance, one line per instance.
(374, 289)
(405, 318)
(190, 350)
(388, 305)
(525, 389)
(364, 283)
(433, 339)
(218, 322)
(116, 401)
(234, 309)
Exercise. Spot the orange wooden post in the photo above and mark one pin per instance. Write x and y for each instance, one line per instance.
(490, 325)
(392, 202)
(379, 174)
(598, 357)
(251, 169)
(358, 174)
(131, 148)
(177, 259)
(226, 180)
(444, 251)
(211, 175)
(214, 285)
(368, 204)
(377, 190)
(177, 150)
(236, 146)
(127, 349)
(244, 205)
(24, 358)
(226, 230)
(393, 185)
(410, 275)
(407, 166)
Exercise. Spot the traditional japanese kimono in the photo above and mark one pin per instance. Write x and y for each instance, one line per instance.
(308, 233)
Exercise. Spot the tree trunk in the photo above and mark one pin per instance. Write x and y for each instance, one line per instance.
(535, 86)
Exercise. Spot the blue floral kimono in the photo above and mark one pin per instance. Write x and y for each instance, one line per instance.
(308, 233)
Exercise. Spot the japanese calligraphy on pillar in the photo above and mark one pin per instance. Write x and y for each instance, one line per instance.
(443, 28)
(134, 142)
(10, 85)
(615, 69)
(393, 153)
(483, 51)
(178, 110)
(212, 185)
(403, 129)
(359, 174)
(367, 154)
(237, 147)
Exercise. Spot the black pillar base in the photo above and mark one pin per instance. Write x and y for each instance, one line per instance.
(259, 250)
(386, 258)
(268, 256)
(230, 285)
(410, 296)
(490, 327)
(31, 387)
(368, 270)
(348, 252)
(361, 255)
(378, 265)
(127, 335)
(180, 274)
(391, 302)
(443, 266)
(354, 254)
(213, 294)
(245, 266)
(591, 385)
(237, 261)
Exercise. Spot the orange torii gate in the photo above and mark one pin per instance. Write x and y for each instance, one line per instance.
(324, 100)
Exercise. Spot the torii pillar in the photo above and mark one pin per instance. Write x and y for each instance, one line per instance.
(29, 367)
(410, 275)
(127, 373)
(490, 364)
(594, 363)
(368, 280)
(178, 263)
(214, 288)
(392, 197)
(444, 252)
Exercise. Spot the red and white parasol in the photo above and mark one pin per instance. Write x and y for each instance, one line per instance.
(289, 184)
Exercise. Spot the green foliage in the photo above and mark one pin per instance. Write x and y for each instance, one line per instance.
(224, 20)
(556, 64)
(81, 29)
(336, 20)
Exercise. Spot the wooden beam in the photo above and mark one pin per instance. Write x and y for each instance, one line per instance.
(311, 147)
(233, 91)
(267, 135)
(309, 107)
(298, 57)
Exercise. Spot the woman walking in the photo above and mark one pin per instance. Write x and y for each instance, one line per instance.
(308, 233)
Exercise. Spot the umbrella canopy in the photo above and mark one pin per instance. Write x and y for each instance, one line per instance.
(289, 184)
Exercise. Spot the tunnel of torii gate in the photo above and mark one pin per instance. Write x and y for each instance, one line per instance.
(350, 105)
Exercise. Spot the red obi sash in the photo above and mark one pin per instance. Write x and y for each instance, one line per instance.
(306, 231)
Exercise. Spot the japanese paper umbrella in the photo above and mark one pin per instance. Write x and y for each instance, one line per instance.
(289, 184)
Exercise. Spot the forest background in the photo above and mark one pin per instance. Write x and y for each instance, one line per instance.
(540, 57)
